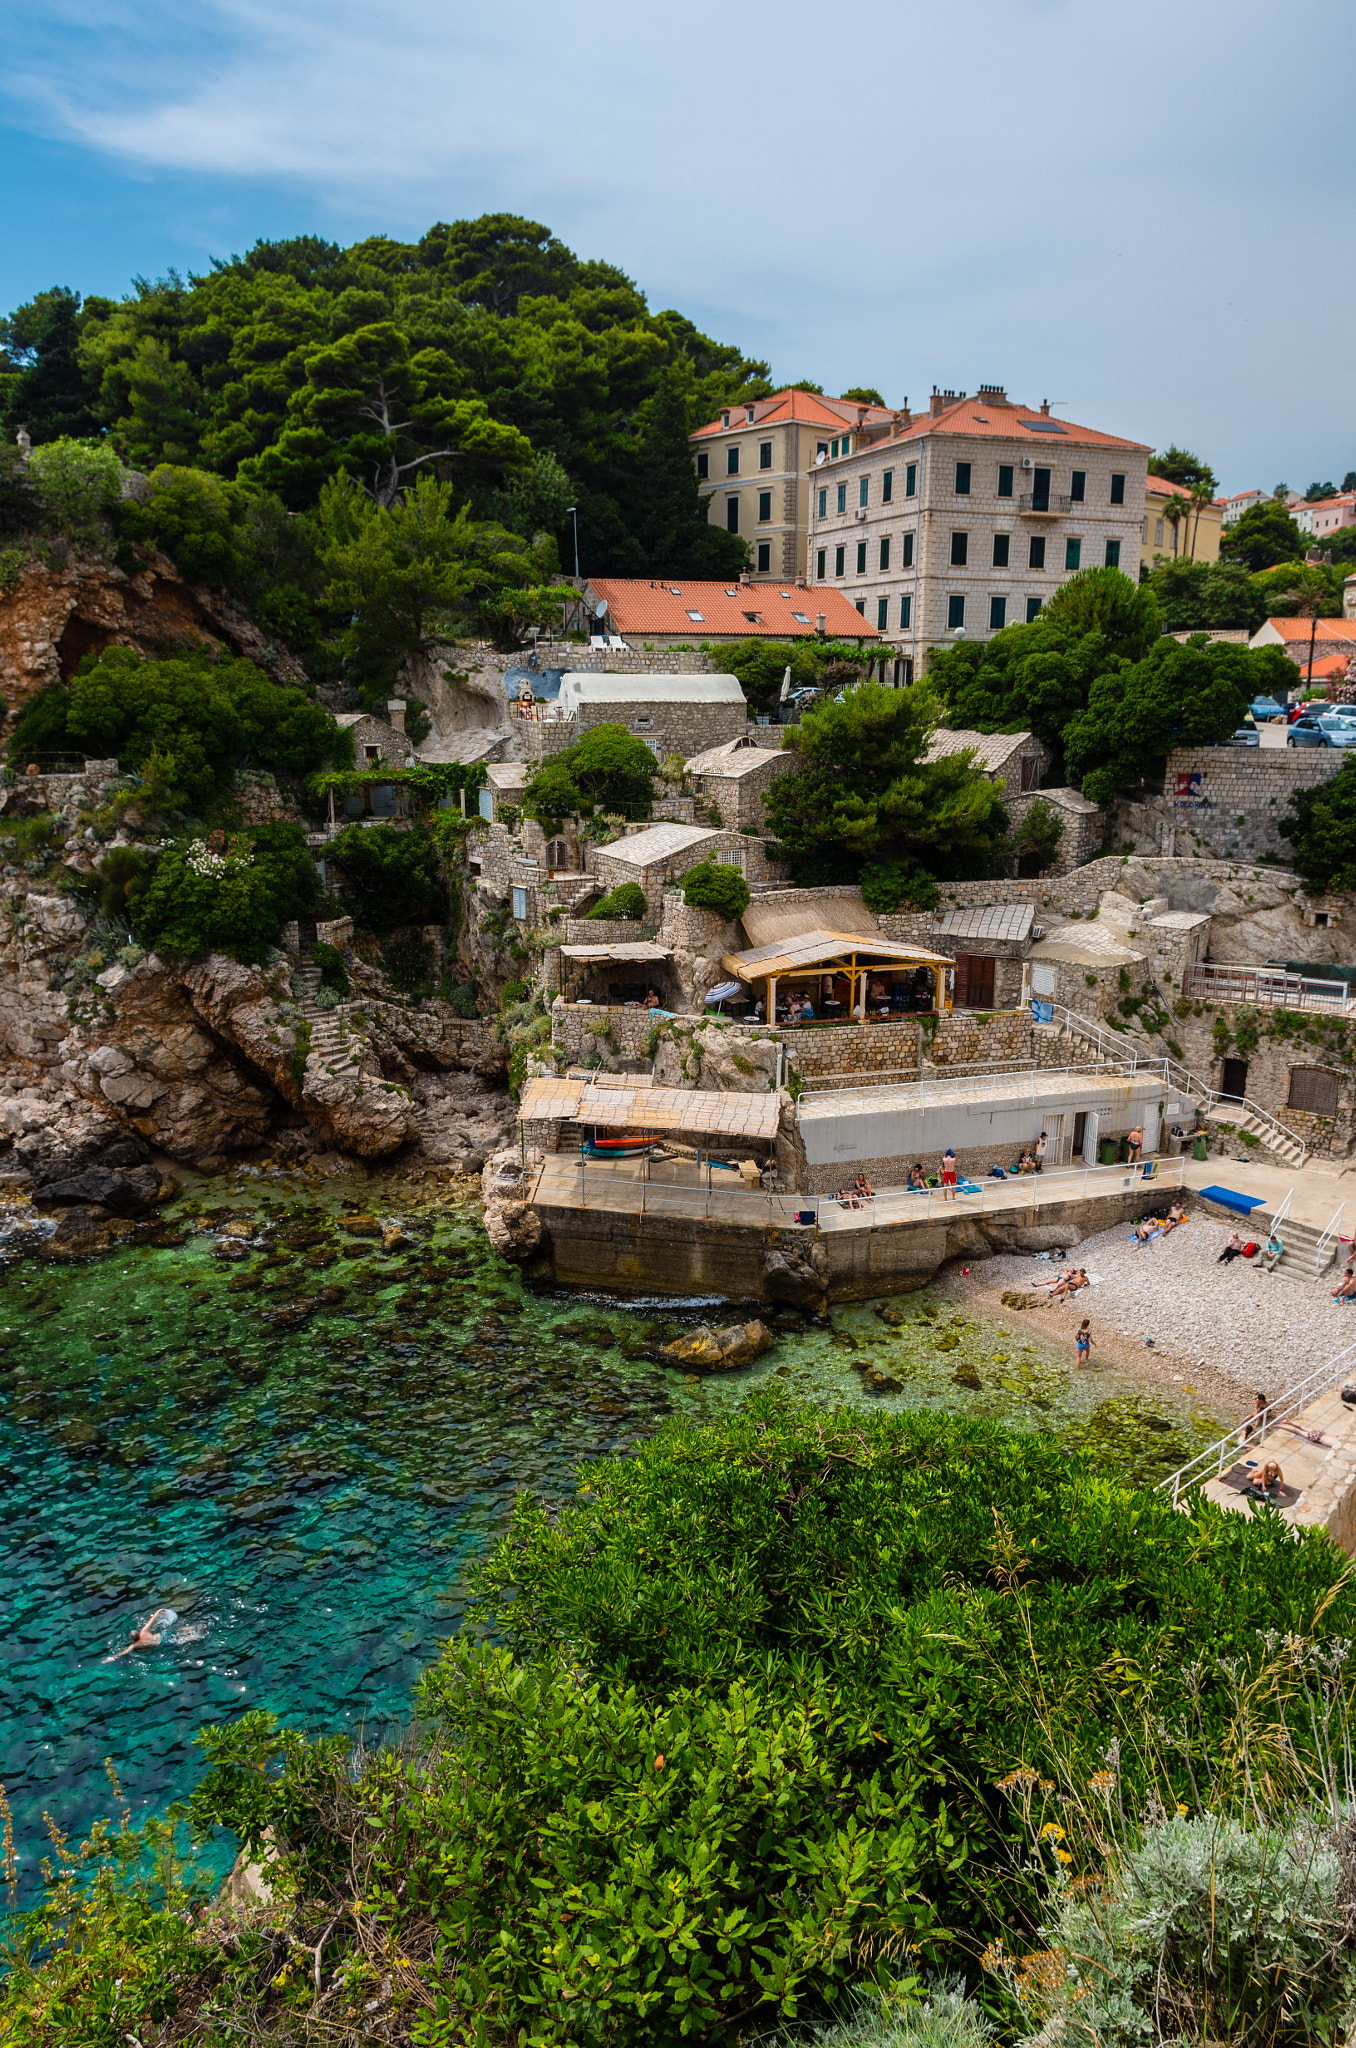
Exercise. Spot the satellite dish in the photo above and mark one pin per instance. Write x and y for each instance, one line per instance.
(601, 609)
(820, 458)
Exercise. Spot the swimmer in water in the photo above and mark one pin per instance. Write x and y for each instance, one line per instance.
(145, 1638)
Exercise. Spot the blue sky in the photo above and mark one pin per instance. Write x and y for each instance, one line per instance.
(1144, 214)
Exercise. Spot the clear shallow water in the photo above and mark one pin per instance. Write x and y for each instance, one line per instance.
(302, 1452)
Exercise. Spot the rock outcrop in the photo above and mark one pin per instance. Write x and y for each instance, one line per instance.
(711, 1350)
(798, 1275)
(515, 1231)
(714, 1056)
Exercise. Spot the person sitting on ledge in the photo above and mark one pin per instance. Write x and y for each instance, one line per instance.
(917, 1178)
(862, 1186)
(1028, 1163)
(1269, 1484)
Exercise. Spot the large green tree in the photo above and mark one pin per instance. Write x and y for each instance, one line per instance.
(1321, 823)
(1177, 696)
(866, 794)
(1265, 535)
(1179, 466)
(41, 385)
(665, 509)
(1196, 596)
(608, 770)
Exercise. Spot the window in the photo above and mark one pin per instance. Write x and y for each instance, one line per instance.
(1031, 774)
(1117, 489)
(1113, 554)
(905, 610)
(697, 618)
(732, 459)
(764, 505)
(765, 454)
(1078, 485)
(1035, 554)
(864, 491)
(732, 515)
(703, 462)
(839, 559)
(906, 559)
(962, 479)
(520, 903)
(955, 611)
(861, 606)
(731, 857)
(1144, 530)
(887, 486)
(822, 448)
(823, 504)
(764, 557)
(1005, 479)
(1158, 533)
(885, 552)
(371, 755)
(1000, 550)
(882, 614)
(1033, 605)
(834, 451)
(487, 803)
(1073, 552)
(821, 557)
(801, 618)
(911, 480)
(960, 550)
(1313, 1089)
(861, 558)
(842, 497)
(998, 613)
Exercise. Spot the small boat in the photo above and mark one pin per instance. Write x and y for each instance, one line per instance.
(615, 1147)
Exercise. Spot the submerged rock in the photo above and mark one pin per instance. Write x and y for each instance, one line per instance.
(710, 1350)
(121, 1191)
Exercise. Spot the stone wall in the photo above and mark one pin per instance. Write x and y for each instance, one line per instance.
(1273, 1046)
(582, 1033)
(740, 799)
(750, 858)
(901, 1044)
(1223, 801)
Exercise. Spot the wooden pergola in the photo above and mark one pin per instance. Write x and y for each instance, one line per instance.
(823, 955)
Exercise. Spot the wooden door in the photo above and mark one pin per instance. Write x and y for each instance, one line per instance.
(974, 981)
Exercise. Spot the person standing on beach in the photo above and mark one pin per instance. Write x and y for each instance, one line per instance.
(1083, 1343)
(948, 1175)
(1041, 1144)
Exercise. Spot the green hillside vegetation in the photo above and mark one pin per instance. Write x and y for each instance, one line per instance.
(781, 1718)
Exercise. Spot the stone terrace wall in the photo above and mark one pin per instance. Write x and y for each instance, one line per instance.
(900, 1044)
(1074, 895)
(1236, 806)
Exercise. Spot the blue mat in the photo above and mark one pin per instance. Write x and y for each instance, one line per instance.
(1229, 1198)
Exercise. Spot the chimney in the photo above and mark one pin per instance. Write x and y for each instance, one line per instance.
(395, 707)
(800, 583)
(936, 402)
(746, 576)
(861, 417)
(819, 624)
(1045, 408)
(992, 394)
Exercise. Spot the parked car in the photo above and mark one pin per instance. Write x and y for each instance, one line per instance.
(1246, 736)
(1339, 732)
(1266, 708)
(1310, 731)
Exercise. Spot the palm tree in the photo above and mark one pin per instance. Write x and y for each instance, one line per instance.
(1202, 494)
(1178, 510)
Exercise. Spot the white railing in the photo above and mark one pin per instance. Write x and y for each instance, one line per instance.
(1323, 1249)
(1196, 1472)
(1218, 983)
(972, 1086)
(1175, 1075)
(597, 1183)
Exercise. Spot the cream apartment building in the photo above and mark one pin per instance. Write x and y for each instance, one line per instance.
(753, 465)
(966, 519)
(1164, 539)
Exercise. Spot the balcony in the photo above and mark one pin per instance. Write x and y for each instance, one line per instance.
(1044, 504)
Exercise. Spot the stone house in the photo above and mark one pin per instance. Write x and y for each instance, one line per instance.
(1016, 761)
(673, 714)
(658, 613)
(734, 779)
(662, 854)
(377, 742)
(991, 946)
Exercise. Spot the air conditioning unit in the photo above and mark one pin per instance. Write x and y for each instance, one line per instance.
(862, 513)
(1027, 462)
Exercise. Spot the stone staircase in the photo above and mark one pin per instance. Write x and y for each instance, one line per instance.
(1279, 1143)
(1301, 1259)
(335, 1039)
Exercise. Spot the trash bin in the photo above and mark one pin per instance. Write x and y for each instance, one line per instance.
(1198, 1148)
(1106, 1152)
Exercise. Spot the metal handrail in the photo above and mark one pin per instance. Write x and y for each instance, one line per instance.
(1266, 985)
(1299, 1396)
(1180, 1077)
(945, 1081)
(1326, 1240)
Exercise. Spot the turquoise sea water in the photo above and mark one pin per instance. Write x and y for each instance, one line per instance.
(302, 1450)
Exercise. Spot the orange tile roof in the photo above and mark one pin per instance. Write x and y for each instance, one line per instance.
(636, 606)
(1328, 629)
(986, 417)
(1342, 498)
(807, 406)
(1326, 665)
(1163, 487)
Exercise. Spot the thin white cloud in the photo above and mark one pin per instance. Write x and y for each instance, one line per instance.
(1087, 203)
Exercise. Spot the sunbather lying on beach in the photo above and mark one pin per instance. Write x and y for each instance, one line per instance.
(1313, 1436)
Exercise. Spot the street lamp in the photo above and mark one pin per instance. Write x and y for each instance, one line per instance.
(573, 512)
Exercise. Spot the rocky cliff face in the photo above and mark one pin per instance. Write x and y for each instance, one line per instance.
(54, 617)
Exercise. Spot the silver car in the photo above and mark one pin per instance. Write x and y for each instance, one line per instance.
(1338, 732)
(1246, 736)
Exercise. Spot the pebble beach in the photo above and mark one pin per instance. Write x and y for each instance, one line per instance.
(1224, 1330)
